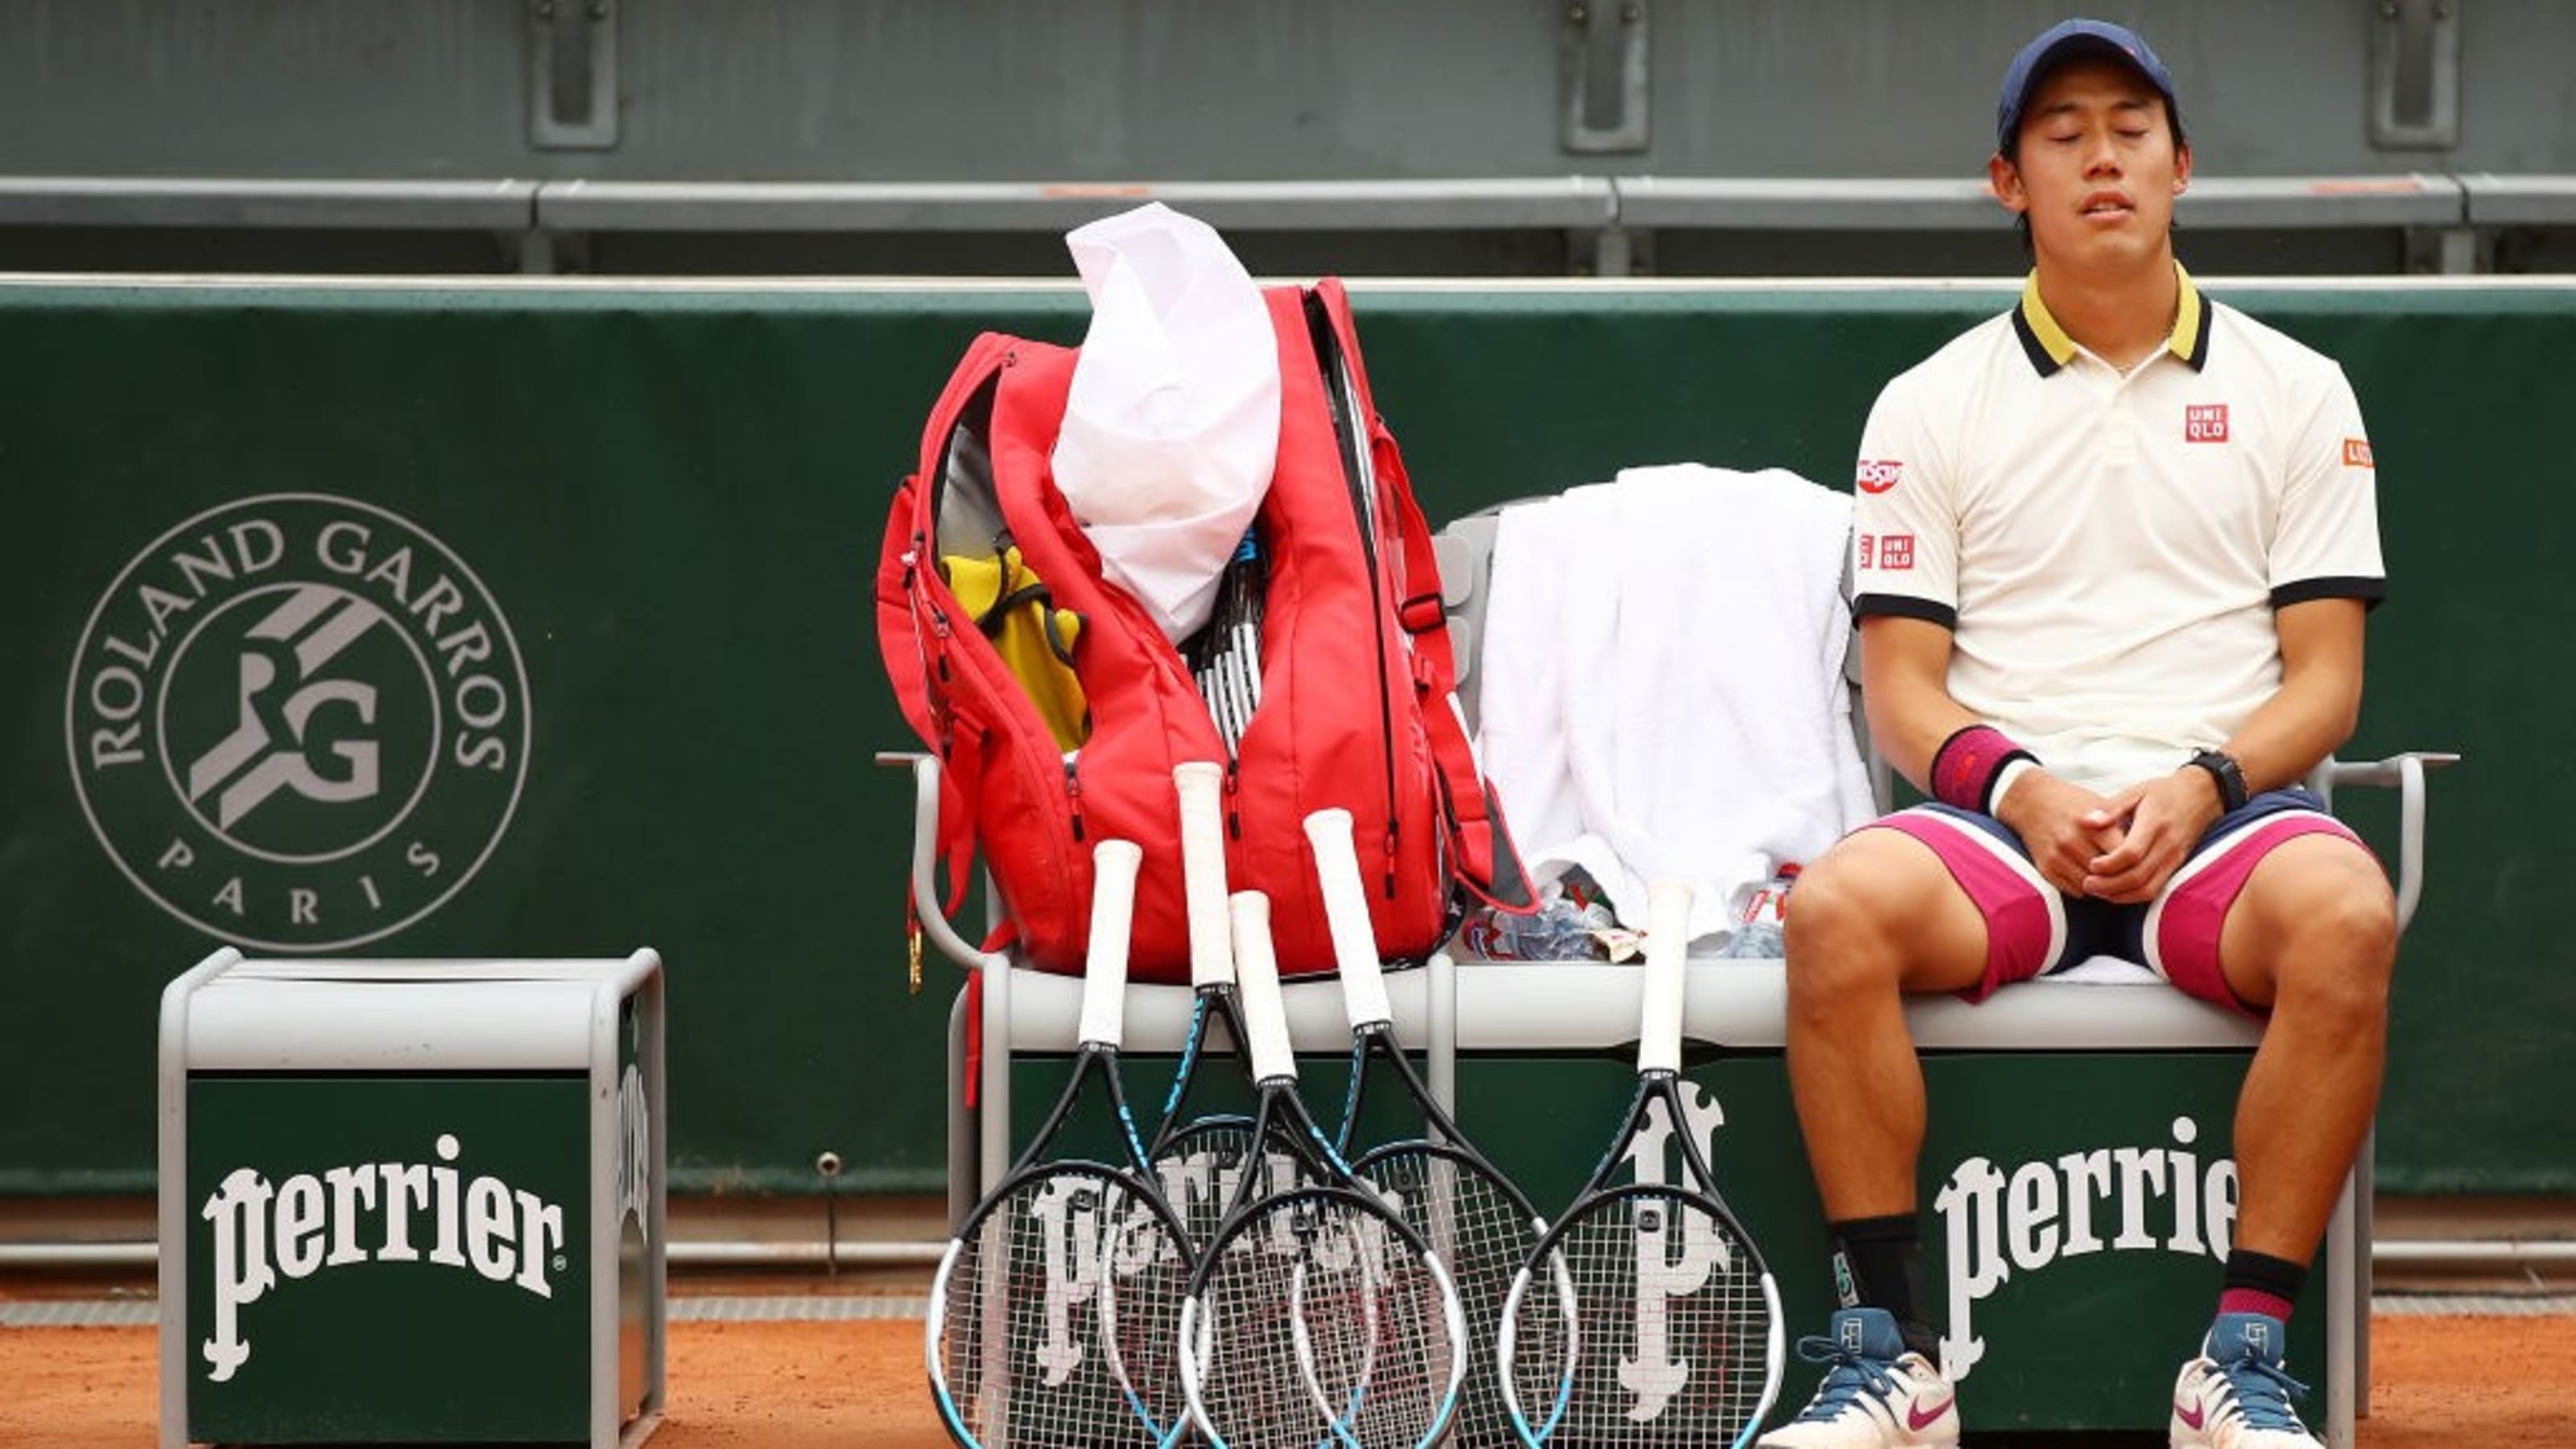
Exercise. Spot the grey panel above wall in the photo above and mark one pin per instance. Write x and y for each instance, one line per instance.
(1169, 90)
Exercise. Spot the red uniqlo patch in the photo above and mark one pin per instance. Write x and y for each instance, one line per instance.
(1896, 551)
(1867, 540)
(2204, 423)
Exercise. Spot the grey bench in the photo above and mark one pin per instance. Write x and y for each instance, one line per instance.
(1455, 1008)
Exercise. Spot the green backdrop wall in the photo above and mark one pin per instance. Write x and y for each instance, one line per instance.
(661, 505)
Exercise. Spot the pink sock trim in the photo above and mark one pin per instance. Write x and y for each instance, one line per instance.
(2255, 1300)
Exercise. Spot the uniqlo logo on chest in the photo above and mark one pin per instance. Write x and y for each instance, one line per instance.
(2204, 423)
(1868, 542)
(1896, 551)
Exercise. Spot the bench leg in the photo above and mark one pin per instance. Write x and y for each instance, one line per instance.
(993, 1101)
(1440, 1030)
(965, 1179)
(2365, 1200)
(2344, 1309)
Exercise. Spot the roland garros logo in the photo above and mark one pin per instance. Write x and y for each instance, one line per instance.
(298, 722)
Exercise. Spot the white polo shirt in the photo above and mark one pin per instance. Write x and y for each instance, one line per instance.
(2106, 548)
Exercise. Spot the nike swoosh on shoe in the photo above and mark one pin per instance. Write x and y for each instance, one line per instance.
(2190, 1415)
(1917, 1417)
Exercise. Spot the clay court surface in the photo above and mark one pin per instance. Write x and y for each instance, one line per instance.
(2496, 1382)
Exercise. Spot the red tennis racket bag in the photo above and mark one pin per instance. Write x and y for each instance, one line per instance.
(1059, 709)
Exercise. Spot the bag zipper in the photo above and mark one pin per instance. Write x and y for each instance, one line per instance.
(1348, 440)
(928, 588)
(1233, 806)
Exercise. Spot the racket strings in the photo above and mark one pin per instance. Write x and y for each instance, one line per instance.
(1646, 1324)
(1201, 1173)
(1318, 1325)
(1061, 1317)
(1483, 1234)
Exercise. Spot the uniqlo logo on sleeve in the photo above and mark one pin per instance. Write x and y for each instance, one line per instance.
(1879, 475)
(1896, 551)
(2204, 423)
(1868, 542)
(2356, 453)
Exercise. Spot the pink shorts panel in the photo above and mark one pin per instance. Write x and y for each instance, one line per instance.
(2022, 931)
(2193, 913)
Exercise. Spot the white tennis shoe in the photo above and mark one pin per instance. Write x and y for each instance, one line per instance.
(1876, 1393)
(2235, 1396)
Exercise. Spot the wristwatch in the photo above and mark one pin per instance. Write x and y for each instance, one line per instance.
(2223, 768)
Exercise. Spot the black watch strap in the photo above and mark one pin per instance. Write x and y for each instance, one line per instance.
(2223, 768)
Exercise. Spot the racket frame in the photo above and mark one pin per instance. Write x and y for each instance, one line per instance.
(1659, 1078)
(1213, 1003)
(1364, 998)
(1199, 786)
(1102, 1027)
(1282, 1116)
(1140, 1193)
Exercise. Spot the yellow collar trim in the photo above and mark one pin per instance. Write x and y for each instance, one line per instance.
(2042, 334)
(2191, 322)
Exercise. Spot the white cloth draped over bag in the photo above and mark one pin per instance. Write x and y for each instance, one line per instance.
(1172, 426)
(1663, 683)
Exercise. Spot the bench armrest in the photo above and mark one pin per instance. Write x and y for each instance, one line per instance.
(925, 853)
(2406, 773)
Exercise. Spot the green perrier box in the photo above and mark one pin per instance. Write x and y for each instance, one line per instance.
(412, 1202)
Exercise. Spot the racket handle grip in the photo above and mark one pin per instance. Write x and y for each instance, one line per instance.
(1337, 870)
(1113, 918)
(1201, 787)
(1256, 966)
(1659, 1032)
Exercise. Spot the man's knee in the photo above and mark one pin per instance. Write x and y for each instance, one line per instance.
(1843, 927)
(2336, 938)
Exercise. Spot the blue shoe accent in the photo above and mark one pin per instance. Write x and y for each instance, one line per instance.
(2246, 1347)
(1862, 1347)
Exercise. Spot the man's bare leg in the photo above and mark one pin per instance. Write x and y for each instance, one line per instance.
(1877, 917)
(2313, 936)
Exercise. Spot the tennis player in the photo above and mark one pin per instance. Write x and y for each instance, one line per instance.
(2113, 552)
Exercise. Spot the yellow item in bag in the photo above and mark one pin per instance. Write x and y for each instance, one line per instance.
(1017, 612)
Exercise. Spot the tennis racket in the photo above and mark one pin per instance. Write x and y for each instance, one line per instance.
(1316, 1317)
(1199, 1156)
(1481, 1225)
(1055, 1312)
(1646, 1316)
(1224, 656)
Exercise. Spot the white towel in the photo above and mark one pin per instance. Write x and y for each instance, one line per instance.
(1663, 685)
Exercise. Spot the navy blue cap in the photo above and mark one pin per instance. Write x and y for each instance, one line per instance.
(2067, 40)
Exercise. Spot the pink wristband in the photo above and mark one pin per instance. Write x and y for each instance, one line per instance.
(1965, 768)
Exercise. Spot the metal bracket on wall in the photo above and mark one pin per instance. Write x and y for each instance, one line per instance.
(2415, 74)
(572, 74)
(1580, 59)
(1611, 251)
(2448, 250)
